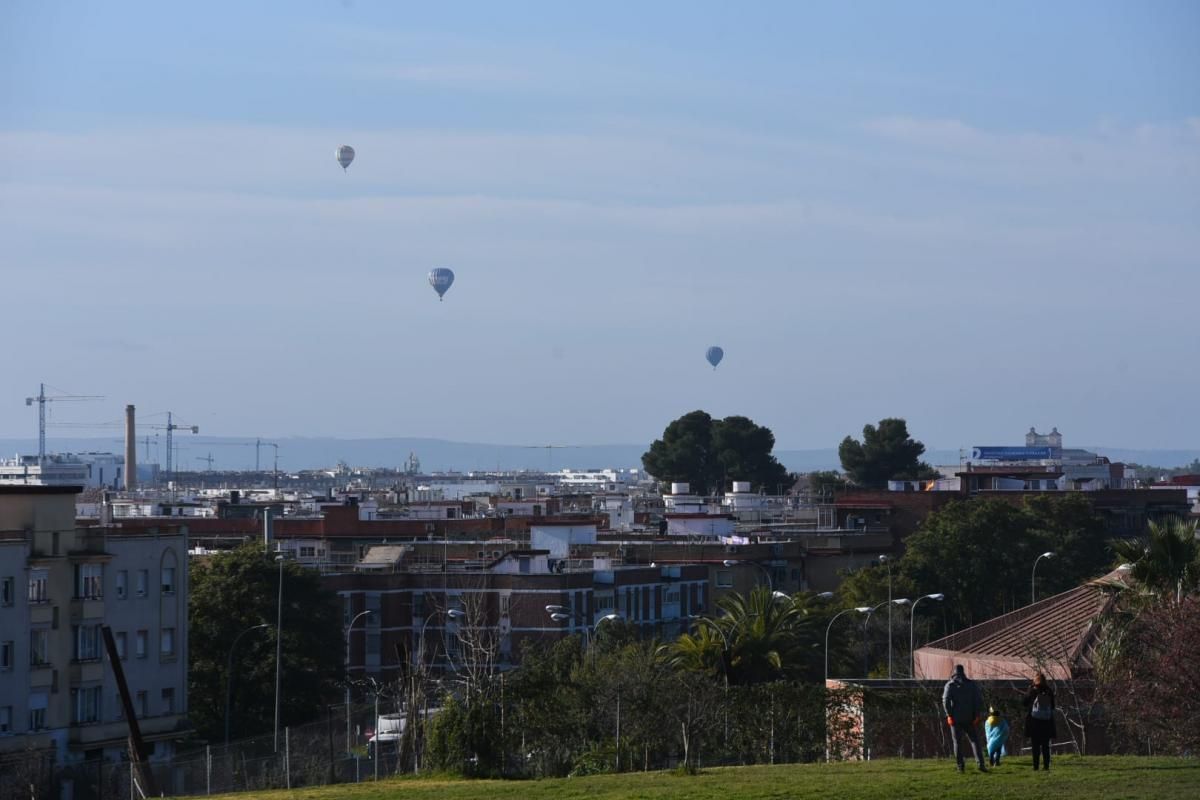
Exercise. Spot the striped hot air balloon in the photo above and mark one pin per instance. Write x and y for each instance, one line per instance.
(441, 279)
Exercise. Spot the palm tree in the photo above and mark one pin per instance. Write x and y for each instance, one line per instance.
(1166, 561)
(703, 651)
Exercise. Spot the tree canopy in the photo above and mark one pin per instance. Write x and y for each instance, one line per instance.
(980, 554)
(708, 453)
(885, 453)
(235, 591)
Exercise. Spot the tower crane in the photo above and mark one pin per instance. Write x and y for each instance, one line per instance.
(171, 427)
(43, 398)
(208, 460)
(550, 448)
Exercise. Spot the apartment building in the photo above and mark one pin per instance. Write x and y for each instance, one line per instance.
(59, 584)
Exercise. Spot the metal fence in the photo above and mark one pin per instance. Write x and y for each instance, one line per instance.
(314, 754)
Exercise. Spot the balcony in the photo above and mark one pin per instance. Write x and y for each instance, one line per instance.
(86, 608)
(85, 671)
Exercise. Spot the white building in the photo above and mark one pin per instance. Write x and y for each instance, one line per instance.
(89, 470)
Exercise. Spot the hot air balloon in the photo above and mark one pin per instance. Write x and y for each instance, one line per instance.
(714, 355)
(441, 279)
(345, 155)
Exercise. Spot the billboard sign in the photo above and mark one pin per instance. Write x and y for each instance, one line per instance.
(1011, 453)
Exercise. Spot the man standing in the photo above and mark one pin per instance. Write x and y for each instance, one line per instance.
(963, 702)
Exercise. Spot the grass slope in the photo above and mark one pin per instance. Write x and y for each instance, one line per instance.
(1093, 778)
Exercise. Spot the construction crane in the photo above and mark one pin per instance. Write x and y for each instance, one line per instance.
(550, 448)
(43, 398)
(171, 427)
(208, 460)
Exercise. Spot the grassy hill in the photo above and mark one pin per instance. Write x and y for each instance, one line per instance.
(1094, 778)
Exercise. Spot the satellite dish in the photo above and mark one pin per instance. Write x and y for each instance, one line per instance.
(714, 355)
(441, 279)
(345, 156)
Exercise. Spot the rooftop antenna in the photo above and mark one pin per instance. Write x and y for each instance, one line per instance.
(43, 398)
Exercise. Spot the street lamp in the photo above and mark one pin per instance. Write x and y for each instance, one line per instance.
(1033, 579)
(900, 601)
(729, 562)
(229, 676)
(888, 563)
(859, 609)
(348, 627)
(911, 619)
(278, 647)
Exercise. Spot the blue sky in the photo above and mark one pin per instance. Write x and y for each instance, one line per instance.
(978, 217)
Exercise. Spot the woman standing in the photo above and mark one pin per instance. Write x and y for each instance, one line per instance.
(1039, 721)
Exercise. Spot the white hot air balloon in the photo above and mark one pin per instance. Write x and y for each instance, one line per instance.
(441, 279)
(345, 156)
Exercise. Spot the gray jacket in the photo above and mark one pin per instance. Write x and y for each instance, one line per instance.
(962, 699)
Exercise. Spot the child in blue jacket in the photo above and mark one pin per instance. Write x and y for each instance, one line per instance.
(996, 728)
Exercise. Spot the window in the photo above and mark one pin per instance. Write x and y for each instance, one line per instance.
(39, 647)
(6, 655)
(85, 705)
(372, 644)
(122, 584)
(168, 700)
(671, 595)
(37, 586)
(168, 580)
(7, 592)
(87, 642)
(143, 580)
(139, 704)
(89, 581)
(505, 602)
(5, 720)
(308, 552)
(139, 647)
(121, 644)
(724, 578)
(37, 711)
(373, 604)
(167, 642)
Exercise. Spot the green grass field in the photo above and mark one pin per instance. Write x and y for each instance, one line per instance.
(1091, 778)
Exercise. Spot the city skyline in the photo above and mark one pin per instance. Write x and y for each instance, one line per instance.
(979, 220)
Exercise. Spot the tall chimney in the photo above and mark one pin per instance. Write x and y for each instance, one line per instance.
(130, 450)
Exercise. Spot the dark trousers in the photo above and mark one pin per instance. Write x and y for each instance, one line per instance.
(1041, 749)
(960, 729)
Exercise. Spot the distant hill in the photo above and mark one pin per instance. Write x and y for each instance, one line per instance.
(444, 455)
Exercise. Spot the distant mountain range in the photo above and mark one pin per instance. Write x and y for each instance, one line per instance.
(442, 455)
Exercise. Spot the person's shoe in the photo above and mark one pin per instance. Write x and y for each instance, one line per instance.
(982, 768)
(961, 768)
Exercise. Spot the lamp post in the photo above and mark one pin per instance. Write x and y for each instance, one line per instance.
(887, 563)
(229, 676)
(911, 619)
(859, 609)
(562, 614)
(900, 601)
(733, 563)
(278, 646)
(1033, 579)
(348, 628)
